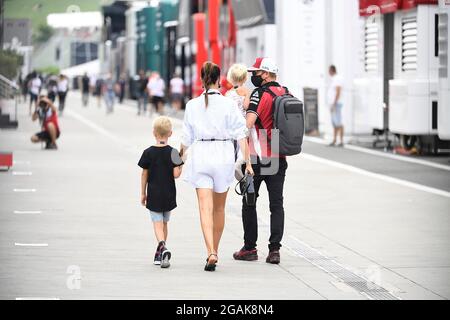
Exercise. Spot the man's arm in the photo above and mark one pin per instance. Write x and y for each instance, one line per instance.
(252, 110)
(251, 119)
(144, 179)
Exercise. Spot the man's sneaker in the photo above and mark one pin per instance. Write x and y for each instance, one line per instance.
(51, 146)
(246, 255)
(273, 257)
(165, 258)
(157, 260)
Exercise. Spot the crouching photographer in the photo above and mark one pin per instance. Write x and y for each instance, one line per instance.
(46, 112)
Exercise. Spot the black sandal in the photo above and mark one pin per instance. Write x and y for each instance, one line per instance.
(212, 266)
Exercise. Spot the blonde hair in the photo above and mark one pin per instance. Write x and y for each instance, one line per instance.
(237, 74)
(162, 126)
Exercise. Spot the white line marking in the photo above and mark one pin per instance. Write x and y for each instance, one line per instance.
(37, 298)
(22, 173)
(103, 132)
(24, 190)
(31, 244)
(377, 175)
(383, 154)
(94, 126)
(27, 212)
(21, 162)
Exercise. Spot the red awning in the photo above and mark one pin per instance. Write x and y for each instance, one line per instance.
(370, 7)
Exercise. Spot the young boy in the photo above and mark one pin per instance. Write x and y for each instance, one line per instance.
(161, 164)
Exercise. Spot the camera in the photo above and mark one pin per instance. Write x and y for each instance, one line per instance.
(43, 104)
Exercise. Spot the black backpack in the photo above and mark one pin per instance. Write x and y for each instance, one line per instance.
(288, 122)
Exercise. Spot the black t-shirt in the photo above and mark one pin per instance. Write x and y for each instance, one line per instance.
(161, 190)
(143, 85)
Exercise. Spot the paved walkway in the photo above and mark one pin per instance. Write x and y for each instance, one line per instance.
(350, 232)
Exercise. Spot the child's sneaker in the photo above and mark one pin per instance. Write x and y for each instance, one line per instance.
(165, 258)
(157, 260)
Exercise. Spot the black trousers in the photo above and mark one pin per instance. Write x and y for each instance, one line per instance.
(62, 100)
(275, 183)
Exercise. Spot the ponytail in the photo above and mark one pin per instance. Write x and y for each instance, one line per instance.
(206, 98)
(210, 74)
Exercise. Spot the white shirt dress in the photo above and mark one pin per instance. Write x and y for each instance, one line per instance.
(210, 164)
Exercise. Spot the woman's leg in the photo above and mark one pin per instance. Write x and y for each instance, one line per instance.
(219, 200)
(206, 206)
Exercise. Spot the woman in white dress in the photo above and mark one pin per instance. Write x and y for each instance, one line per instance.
(211, 123)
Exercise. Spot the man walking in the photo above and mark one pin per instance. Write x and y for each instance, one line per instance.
(85, 84)
(142, 95)
(268, 166)
(335, 101)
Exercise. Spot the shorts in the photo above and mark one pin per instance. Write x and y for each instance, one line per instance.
(204, 173)
(157, 100)
(160, 216)
(45, 136)
(336, 116)
(33, 97)
(177, 97)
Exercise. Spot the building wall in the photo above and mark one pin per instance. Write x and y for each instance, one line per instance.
(46, 55)
(258, 41)
(311, 35)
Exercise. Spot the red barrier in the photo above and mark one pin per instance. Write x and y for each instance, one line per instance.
(6, 159)
(214, 41)
(202, 54)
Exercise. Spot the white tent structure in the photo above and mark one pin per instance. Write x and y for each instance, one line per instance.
(91, 68)
(73, 20)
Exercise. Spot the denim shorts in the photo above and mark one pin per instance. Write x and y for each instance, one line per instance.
(336, 116)
(160, 216)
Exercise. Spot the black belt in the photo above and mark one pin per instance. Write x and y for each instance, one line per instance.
(209, 140)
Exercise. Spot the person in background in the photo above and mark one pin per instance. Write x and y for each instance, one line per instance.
(63, 88)
(85, 84)
(108, 93)
(92, 81)
(142, 95)
(47, 114)
(52, 87)
(335, 100)
(34, 87)
(157, 87)
(176, 92)
(98, 90)
(121, 86)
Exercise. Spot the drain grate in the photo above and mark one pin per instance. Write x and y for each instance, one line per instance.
(364, 286)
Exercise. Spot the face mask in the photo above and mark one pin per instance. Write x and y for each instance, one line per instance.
(257, 81)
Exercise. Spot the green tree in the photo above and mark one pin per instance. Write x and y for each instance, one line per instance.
(43, 33)
(10, 62)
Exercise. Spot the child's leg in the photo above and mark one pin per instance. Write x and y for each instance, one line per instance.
(165, 231)
(158, 227)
